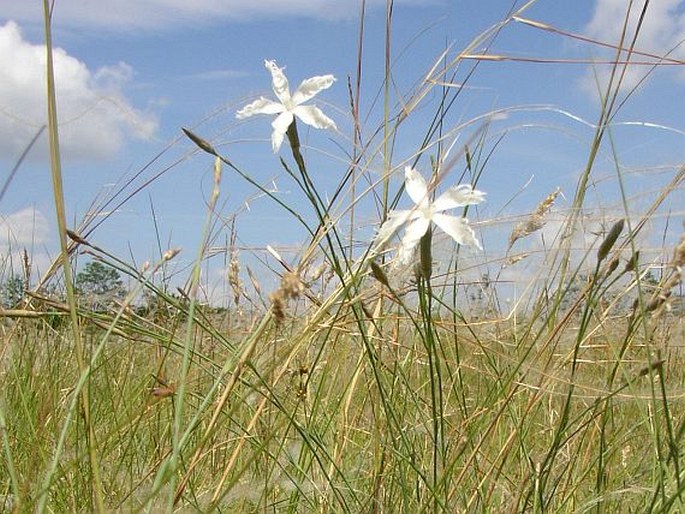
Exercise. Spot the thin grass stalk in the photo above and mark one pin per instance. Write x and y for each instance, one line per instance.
(606, 112)
(387, 79)
(356, 137)
(19, 162)
(169, 471)
(206, 147)
(428, 337)
(662, 401)
(60, 212)
(238, 368)
(608, 101)
(607, 414)
(320, 208)
(80, 387)
(9, 462)
(305, 181)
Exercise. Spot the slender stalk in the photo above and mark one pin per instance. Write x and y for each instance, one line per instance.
(7, 447)
(60, 212)
(169, 471)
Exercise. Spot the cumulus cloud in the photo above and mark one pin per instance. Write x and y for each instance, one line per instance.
(95, 117)
(662, 32)
(27, 229)
(156, 14)
(23, 228)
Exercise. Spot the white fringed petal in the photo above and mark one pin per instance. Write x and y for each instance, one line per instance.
(279, 82)
(412, 235)
(458, 196)
(311, 87)
(313, 116)
(260, 106)
(457, 228)
(418, 220)
(280, 126)
(390, 226)
(415, 185)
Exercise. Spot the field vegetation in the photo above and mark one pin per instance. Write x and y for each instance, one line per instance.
(398, 373)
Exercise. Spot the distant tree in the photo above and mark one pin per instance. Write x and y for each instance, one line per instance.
(98, 285)
(11, 292)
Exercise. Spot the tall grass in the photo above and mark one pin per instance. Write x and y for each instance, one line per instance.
(357, 386)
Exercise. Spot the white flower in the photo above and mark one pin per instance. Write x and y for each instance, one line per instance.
(418, 219)
(290, 105)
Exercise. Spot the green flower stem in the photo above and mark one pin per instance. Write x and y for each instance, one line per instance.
(307, 184)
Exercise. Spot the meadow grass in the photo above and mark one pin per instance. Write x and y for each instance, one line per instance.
(357, 386)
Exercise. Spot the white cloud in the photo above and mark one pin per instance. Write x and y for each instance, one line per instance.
(157, 14)
(662, 31)
(23, 229)
(94, 115)
(27, 229)
(218, 75)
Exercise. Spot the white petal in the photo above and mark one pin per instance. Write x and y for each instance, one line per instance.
(457, 228)
(413, 233)
(280, 126)
(313, 116)
(405, 255)
(260, 106)
(391, 225)
(458, 197)
(279, 82)
(311, 87)
(415, 185)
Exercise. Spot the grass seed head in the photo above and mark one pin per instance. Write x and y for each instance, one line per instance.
(234, 268)
(234, 279)
(278, 306)
(254, 281)
(291, 285)
(379, 274)
(291, 289)
(535, 221)
(170, 254)
(679, 255)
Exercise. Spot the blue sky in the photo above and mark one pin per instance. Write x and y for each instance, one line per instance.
(131, 75)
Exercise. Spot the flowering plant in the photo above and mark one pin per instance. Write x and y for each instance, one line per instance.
(418, 220)
(290, 106)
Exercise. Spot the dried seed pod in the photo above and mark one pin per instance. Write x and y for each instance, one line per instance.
(379, 274)
(426, 257)
(76, 238)
(202, 143)
(631, 265)
(610, 240)
(612, 266)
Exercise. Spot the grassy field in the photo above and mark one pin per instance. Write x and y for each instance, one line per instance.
(360, 384)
